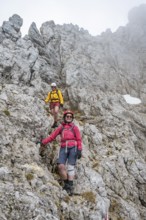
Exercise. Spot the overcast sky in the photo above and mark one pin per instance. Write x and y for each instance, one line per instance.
(92, 15)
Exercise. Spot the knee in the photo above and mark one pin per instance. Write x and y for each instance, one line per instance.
(56, 111)
(61, 167)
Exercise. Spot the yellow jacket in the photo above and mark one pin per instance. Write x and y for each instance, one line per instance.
(55, 96)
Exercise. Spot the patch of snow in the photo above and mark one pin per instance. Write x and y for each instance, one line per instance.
(131, 100)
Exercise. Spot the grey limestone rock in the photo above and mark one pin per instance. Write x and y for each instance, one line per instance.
(93, 73)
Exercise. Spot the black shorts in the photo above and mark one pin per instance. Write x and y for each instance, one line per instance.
(70, 156)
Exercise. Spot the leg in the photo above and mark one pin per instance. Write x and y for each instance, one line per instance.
(72, 157)
(56, 110)
(61, 164)
(54, 124)
(62, 171)
(68, 182)
(52, 111)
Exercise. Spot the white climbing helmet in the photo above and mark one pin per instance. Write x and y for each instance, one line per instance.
(53, 84)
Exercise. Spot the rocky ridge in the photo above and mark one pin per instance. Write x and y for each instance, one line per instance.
(94, 73)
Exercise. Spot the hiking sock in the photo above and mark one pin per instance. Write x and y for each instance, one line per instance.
(70, 187)
(65, 184)
(55, 124)
(70, 182)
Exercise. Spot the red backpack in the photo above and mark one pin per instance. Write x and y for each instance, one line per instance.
(71, 129)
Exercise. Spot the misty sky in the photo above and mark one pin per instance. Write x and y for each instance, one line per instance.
(92, 15)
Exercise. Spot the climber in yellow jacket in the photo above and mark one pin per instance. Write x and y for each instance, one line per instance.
(55, 99)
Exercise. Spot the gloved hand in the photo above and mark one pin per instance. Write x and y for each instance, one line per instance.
(38, 142)
(79, 154)
(61, 105)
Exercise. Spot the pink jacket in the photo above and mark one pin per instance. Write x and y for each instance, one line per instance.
(70, 136)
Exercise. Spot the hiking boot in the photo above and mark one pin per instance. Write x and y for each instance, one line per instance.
(54, 125)
(65, 184)
(68, 187)
(70, 190)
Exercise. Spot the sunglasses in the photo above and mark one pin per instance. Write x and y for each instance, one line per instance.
(69, 116)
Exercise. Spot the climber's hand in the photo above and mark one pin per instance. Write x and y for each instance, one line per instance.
(79, 154)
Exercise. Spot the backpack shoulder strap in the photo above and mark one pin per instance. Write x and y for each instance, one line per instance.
(73, 130)
(58, 91)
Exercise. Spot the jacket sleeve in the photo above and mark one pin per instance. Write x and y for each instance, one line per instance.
(52, 136)
(78, 138)
(48, 97)
(60, 97)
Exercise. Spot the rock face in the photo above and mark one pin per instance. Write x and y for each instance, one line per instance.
(93, 73)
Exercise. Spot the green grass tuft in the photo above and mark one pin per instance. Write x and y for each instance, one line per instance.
(89, 196)
(7, 112)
